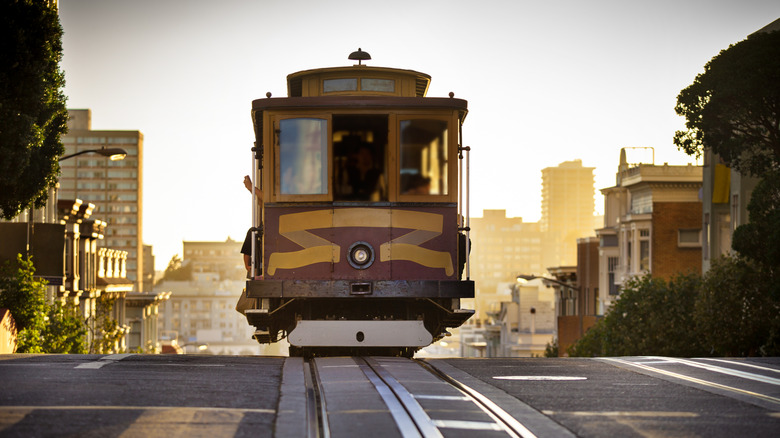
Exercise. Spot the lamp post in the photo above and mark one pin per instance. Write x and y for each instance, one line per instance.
(580, 302)
(114, 154)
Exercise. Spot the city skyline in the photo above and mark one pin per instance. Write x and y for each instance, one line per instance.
(545, 84)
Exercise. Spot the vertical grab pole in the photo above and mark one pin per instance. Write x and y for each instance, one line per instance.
(253, 177)
(468, 215)
(464, 186)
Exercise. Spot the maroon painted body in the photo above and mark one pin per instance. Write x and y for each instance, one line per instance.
(376, 229)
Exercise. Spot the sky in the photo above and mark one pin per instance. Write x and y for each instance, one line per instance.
(546, 82)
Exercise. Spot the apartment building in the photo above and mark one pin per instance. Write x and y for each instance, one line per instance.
(652, 224)
(223, 258)
(114, 187)
(501, 248)
(567, 210)
(201, 310)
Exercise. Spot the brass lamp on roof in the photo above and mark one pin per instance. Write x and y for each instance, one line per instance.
(360, 56)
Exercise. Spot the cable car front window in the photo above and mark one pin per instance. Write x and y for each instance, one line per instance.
(423, 157)
(303, 151)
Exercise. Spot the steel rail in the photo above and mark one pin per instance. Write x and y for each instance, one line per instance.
(374, 370)
(316, 410)
(409, 416)
(406, 425)
(501, 417)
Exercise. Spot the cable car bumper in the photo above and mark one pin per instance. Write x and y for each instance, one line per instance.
(360, 288)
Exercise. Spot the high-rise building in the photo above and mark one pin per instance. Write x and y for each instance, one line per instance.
(115, 187)
(501, 249)
(567, 211)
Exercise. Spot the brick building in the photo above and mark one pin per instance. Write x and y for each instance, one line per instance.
(652, 224)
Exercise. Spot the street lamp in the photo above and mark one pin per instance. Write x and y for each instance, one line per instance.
(577, 289)
(526, 278)
(113, 154)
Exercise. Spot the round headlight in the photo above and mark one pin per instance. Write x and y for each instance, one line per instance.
(361, 255)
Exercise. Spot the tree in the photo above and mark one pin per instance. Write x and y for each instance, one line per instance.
(177, 270)
(25, 297)
(33, 114)
(41, 327)
(734, 106)
(107, 334)
(734, 315)
(759, 239)
(651, 317)
(65, 331)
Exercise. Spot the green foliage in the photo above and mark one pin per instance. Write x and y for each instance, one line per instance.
(734, 313)
(551, 349)
(32, 106)
(726, 313)
(25, 297)
(177, 270)
(759, 239)
(106, 332)
(732, 107)
(41, 327)
(652, 317)
(65, 331)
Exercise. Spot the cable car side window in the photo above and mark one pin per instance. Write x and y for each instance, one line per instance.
(303, 156)
(383, 85)
(423, 157)
(345, 84)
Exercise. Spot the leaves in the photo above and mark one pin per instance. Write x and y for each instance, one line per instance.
(33, 113)
(728, 312)
(733, 106)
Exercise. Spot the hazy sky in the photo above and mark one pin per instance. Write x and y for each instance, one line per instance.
(546, 82)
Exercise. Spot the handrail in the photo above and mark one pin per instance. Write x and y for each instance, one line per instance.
(464, 188)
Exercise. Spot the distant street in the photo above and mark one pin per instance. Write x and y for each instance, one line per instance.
(216, 396)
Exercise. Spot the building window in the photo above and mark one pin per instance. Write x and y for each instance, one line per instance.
(644, 250)
(689, 237)
(735, 212)
(642, 204)
(706, 243)
(612, 266)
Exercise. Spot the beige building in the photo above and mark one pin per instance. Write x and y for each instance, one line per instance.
(114, 187)
(725, 197)
(568, 206)
(201, 310)
(501, 248)
(652, 224)
(223, 258)
(526, 324)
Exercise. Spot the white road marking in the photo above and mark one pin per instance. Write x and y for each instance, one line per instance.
(441, 397)
(540, 378)
(742, 364)
(105, 360)
(644, 414)
(470, 425)
(728, 371)
(694, 379)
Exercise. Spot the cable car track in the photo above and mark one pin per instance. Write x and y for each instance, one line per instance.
(413, 397)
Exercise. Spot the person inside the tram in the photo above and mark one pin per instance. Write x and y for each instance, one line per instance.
(363, 176)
